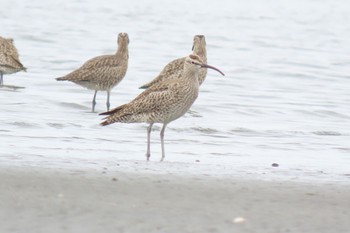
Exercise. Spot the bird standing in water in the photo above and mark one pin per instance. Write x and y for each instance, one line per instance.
(163, 102)
(9, 59)
(104, 72)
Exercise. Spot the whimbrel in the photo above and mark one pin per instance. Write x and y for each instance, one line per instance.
(9, 59)
(163, 102)
(104, 72)
(174, 69)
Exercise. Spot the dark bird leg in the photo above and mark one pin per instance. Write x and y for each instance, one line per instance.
(1, 79)
(94, 102)
(108, 104)
(162, 141)
(148, 153)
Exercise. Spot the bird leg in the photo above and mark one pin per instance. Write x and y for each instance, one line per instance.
(148, 153)
(1, 80)
(94, 102)
(162, 141)
(108, 104)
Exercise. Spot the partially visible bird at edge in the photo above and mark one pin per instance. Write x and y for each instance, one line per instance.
(173, 69)
(104, 72)
(163, 102)
(9, 59)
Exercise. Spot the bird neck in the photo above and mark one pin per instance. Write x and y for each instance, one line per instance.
(201, 52)
(122, 49)
(190, 75)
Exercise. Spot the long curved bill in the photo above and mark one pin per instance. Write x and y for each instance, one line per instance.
(212, 67)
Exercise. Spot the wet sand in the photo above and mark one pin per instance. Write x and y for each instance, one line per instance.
(35, 199)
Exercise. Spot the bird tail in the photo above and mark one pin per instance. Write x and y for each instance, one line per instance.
(107, 121)
(144, 86)
(147, 85)
(113, 111)
(111, 117)
(61, 79)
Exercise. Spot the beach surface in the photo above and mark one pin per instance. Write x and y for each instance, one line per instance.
(110, 199)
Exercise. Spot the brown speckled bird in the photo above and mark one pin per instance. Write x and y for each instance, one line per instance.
(9, 59)
(104, 72)
(163, 102)
(174, 69)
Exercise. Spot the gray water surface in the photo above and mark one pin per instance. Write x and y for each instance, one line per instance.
(285, 98)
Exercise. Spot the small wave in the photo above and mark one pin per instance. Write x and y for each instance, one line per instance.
(10, 88)
(22, 124)
(197, 129)
(327, 133)
(192, 113)
(38, 39)
(205, 130)
(56, 125)
(73, 105)
(346, 149)
(242, 130)
(299, 64)
(245, 132)
(332, 113)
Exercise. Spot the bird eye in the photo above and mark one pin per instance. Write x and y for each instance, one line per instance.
(192, 62)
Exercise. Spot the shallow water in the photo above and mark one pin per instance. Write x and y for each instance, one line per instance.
(285, 98)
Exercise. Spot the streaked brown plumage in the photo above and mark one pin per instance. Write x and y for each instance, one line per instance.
(173, 70)
(9, 58)
(162, 102)
(104, 72)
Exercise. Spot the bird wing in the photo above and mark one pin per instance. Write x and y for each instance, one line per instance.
(113, 111)
(10, 57)
(172, 70)
(145, 97)
(152, 99)
(94, 69)
(173, 67)
(13, 62)
(100, 61)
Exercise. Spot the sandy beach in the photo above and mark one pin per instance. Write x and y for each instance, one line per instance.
(35, 199)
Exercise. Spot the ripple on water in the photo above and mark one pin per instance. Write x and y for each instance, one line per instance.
(61, 126)
(332, 114)
(56, 125)
(10, 88)
(73, 105)
(243, 130)
(22, 124)
(205, 130)
(327, 133)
